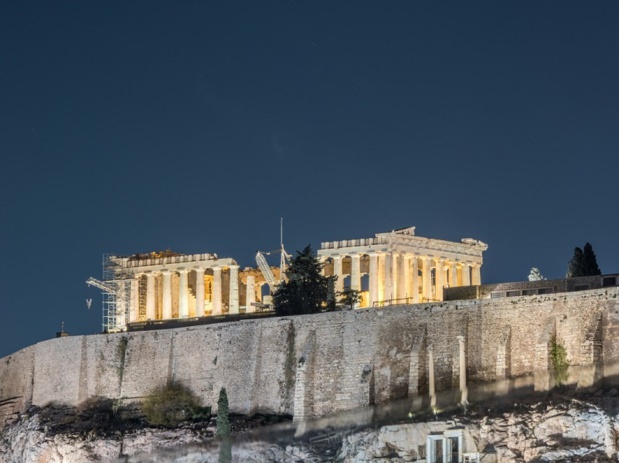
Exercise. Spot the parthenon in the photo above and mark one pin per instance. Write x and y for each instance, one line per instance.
(399, 267)
(395, 267)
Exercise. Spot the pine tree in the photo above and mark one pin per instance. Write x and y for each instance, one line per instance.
(305, 290)
(223, 418)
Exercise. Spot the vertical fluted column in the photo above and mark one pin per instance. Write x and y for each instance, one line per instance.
(453, 275)
(389, 275)
(406, 276)
(463, 388)
(250, 294)
(427, 278)
(150, 296)
(134, 310)
(415, 279)
(395, 267)
(183, 297)
(373, 278)
(431, 385)
(216, 290)
(166, 310)
(476, 274)
(466, 275)
(337, 270)
(380, 293)
(439, 274)
(403, 274)
(234, 289)
(355, 272)
(199, 291)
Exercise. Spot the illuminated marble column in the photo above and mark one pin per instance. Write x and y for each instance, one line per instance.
(380, 293)
(415, 278)
(216, 291)
(199, 291)
(134, 310)
(150, 296)
(388, 276)
(463, 388)
(166, 310)
(466, 275)
(183, 297)
(355, 272)
(439, 273)
(431, 385)
(476, 274)
(373, 278)
(337, 270)
(234, 289)
(395, 266)
(427, 278)
(406, 276)
(250, 294)
(453, 275)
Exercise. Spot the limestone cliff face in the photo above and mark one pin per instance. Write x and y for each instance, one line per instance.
(568, 429)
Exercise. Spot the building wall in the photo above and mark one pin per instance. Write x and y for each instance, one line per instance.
(318, 364)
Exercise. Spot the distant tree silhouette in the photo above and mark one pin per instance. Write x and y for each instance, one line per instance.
(305, 290)
(349, 297)
(583, 263)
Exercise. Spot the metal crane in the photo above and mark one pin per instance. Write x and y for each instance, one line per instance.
(264, 266)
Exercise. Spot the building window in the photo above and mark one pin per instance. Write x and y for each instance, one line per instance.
(544, 291)
(496, 295)
(513, 293)
(529, 292)
(609, 281)
(581, 287)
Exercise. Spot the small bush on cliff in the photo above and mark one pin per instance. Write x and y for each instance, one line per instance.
(171, 404)
(558, 356)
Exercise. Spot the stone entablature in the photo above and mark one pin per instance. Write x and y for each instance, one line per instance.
(402, 267)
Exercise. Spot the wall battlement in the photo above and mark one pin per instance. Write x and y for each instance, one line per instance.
(314, 365)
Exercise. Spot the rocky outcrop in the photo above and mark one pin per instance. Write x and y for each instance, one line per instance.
(565, 429)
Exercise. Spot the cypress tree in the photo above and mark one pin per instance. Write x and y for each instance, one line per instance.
(575, 267)
(590, 261)
(223, 418)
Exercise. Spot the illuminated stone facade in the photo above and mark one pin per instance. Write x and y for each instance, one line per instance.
(162, 286)
(398, 267)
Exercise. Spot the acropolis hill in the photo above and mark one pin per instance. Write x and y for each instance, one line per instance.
(314, 365)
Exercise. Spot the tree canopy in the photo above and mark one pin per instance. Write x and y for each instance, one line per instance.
(305, 289)
(583, 263)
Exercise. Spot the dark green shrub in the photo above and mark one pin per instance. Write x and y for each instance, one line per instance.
(171, 404)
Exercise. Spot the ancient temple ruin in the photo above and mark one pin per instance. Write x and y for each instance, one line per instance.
(399, 267)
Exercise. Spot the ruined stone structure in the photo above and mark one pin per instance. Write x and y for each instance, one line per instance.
(167, 285)
(400, 267)
(314, 365)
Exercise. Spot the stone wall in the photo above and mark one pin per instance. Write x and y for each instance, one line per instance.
(318, 364)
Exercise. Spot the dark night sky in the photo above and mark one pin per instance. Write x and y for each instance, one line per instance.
(138, 126)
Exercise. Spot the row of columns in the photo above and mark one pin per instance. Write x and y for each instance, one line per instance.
(183, 296)
(395, 275)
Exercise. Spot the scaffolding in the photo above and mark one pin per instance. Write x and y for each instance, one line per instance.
(116, 295)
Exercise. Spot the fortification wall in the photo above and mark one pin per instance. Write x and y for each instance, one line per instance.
(318, 364)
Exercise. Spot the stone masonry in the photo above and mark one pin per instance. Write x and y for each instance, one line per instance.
(315, 365)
